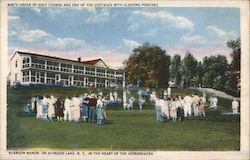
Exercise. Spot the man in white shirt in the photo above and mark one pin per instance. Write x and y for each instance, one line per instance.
(111, 98)
(140, 102)
(51, 108)
(76, 109)
(115, 96)
(131, 103)
(196, 100)
(213, 102)
(67, 109)
(187, 105)
(235, 106)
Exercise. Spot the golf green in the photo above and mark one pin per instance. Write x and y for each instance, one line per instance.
(124, 130)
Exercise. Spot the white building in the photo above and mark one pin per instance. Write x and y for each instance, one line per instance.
(31, 68)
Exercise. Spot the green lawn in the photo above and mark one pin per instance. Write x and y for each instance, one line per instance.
(125, 130)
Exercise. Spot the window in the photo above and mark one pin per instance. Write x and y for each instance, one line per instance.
(16, 63)
(64, 77)
(25, 76)
(90, 71)
(66, 67)
(111, 73)
(57, 78)
(100, 72)
(50, 75)
(79, 69)
(33, 79)
(92, 80)
(26, 61)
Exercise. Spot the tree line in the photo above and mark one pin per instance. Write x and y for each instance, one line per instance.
(150, 66)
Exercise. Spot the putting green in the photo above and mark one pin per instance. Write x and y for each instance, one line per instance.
(125, 130)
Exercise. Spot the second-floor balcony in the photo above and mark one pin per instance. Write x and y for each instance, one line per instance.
(82, 71)
(37, 65)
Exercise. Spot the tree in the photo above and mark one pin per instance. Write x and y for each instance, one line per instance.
(200, 72)
(215, 70)
(175, 69)
(235, 55)
(197, 79)
(234, 66)
(189, 68)
(149, 65)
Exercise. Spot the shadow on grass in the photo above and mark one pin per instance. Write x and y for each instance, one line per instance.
(216, 116)
(23, 114)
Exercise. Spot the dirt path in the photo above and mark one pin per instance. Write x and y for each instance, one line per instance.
(216, 93)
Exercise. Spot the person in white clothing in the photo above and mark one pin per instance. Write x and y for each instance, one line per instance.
(182, 103)
(165, 93)
(115, 96)
(67, 109)
(164, 109)
(33, 103)
(51, 108)
(111, 98)
(39, 109)
(173, 112)
(44, 108)
(159, 107)
(187, 107)
(100, 94)
(131, 103)
(140, 102)
(235, 106)
(139, 93)
(72, 112)
(76, 109)
(169, 91)
(213, 102)
(196, 100)
(99, 111)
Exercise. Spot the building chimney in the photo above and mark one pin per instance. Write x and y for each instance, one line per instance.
(79, 59)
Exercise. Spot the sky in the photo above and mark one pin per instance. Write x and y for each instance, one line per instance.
(112, 33)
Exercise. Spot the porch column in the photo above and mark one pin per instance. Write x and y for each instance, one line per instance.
(95, 82)
(30, 62)
(29, 76)
(45, 77)
(45, 66)
(84, 81)
(123, 81)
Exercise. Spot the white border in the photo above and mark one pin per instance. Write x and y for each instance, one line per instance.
(227, 155)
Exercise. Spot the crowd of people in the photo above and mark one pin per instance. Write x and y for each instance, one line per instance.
(176, 108)
(85, 108)
(90, 108)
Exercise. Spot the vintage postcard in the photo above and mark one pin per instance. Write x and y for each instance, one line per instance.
(124, 79)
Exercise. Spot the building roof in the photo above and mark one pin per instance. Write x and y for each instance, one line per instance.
(93, 62)
(89, 62)
(97, 62)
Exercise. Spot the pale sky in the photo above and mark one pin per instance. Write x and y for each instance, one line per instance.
(112, 33)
